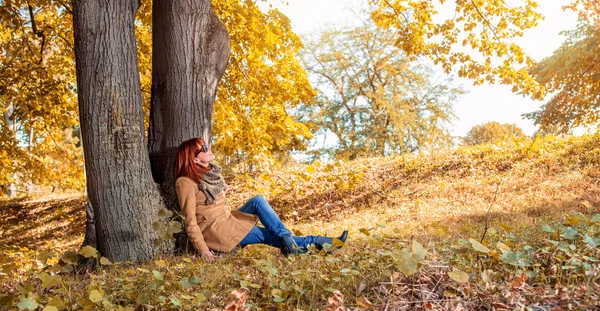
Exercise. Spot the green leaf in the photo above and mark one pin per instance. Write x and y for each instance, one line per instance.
(592, 259)
(142, 298)
(510, 258)
(186, 283)
(96, 295)
(174, 227)
(105, 261)
(196, 280)
(277, 298)
(70, 258)
(158, 226)
(345, 271)
(596, 218)
(407, 264)
(200, 298)
(59, 303)
(547, 228)
(176, 302)
(88, 252)
(28, 304)
(44, 256)
(48, 280)
(478, 246)
(459, 276)
(460, 249)
(569, 233)
(593, 241)
(503, 247)
(418, 251)
(158, 275)
(164, 213)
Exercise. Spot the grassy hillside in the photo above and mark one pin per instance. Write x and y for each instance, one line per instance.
(489, 227)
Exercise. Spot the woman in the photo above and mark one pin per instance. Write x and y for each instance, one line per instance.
(211, 225)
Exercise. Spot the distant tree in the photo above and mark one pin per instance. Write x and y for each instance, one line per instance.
(491, 132)
(373, 98)
(486, 30)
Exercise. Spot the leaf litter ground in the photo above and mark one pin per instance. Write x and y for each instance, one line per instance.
(416, 240)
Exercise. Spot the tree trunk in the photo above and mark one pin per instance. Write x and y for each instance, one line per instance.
(190, 52)
(119, 182)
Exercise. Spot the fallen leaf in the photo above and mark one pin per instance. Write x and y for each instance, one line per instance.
(500, 306)
(336, 302)
(361, 288)
(88, 252)
(459, 307)
(236, 301)
(459, 276)
(364, 302)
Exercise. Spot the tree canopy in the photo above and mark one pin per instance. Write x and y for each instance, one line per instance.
(38, 97)
(572, 76)
(473, 37)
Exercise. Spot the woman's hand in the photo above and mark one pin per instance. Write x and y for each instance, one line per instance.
(208, 256)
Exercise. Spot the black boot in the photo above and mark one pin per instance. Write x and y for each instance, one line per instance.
(288, 245)
(323, 239)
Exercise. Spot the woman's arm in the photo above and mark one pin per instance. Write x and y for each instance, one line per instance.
(186, 193)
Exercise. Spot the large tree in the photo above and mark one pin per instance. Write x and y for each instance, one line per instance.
(190, 52)
(121, 191)
(38, 91)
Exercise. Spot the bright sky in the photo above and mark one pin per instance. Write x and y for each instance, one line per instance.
(483, 103)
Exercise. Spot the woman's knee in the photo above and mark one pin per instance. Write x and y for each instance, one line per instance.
(259, 199)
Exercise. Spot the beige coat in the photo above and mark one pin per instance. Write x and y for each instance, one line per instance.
(212, 226)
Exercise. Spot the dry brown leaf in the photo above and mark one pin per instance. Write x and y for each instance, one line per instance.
(236, 301)
(500, 306)
(459, 307)
(518, 281)
(361, 288)
(336, 302)
(364, 302)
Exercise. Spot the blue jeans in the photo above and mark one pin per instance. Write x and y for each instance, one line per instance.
(273, 227)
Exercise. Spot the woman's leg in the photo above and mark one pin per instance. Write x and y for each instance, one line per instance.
(260, 235)
(261, 208)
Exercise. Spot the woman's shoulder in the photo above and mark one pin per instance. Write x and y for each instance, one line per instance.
(185, 181)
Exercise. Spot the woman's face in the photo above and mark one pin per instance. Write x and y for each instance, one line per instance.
(204, 156)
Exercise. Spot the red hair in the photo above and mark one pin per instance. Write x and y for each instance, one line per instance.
(185, 166)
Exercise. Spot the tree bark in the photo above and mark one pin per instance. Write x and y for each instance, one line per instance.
(119, 182)
(190, 52)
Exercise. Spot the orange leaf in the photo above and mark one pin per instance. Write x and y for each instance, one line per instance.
(236, 301)
(336, 302)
